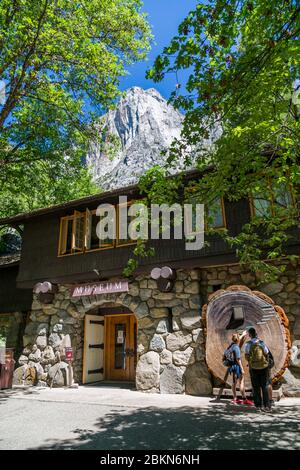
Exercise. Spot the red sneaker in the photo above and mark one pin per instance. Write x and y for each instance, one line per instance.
(237, 401)
(248, 402)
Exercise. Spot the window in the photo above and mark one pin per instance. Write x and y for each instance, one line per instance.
(72, 230)
(92, 242)
(265, 204)
(261, 206)
(214, 214)
(78, 233)
(126, 220)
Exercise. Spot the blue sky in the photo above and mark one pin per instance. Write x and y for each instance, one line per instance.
(164, 17)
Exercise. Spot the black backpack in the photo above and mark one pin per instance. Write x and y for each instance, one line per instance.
(229, 358)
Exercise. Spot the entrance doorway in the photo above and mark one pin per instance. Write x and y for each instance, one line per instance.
(110, 348)
(120, 357)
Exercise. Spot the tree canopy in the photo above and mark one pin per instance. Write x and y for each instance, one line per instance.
(243, 61)
(60, 65)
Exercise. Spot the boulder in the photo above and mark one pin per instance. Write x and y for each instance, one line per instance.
(272, 288)
(35, 354)
(198, 380)
(162, 326)
(57, 328)
(159, 312)
(54, 340)
(142, 310)
(178, 340)
(23, 360)
(183, 358)
(191, 320)
(143, 343)
(48, 356)
(172, 380)
(19, 375)
(58, 375)
(166, 357)
(295, 357)
(41, 342)
(27, 351)
(147, 371)
(42, 329)
(291, 384)
(157, 343)
(192, 288)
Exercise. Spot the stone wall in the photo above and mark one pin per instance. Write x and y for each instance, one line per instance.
(170, 338)
(171, 350)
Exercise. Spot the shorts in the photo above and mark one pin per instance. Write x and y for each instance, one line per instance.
(269, 380)
(235, 370)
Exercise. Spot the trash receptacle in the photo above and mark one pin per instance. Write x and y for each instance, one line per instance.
(7, 369)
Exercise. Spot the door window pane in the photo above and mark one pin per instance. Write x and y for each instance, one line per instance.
(120, 340)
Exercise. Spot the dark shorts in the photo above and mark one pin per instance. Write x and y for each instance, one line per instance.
(269, 381)
(235, 370)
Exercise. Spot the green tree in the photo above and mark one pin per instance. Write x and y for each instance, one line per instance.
(60, 62)
(243, 62)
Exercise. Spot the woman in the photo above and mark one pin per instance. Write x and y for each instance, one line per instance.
(235, 367)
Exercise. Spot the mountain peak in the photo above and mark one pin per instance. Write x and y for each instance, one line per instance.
(132, 137)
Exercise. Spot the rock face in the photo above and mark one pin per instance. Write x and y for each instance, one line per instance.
(131, 138)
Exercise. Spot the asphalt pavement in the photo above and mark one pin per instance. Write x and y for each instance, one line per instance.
(112, 418)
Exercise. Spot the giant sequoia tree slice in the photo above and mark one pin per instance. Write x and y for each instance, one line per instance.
(268, 319)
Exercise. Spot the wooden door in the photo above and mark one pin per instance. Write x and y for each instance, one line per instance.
(120, 347)
(93, 360)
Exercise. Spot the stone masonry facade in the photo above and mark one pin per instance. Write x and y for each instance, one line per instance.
(171, 345)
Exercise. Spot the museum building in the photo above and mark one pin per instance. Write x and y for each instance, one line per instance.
(163, 328)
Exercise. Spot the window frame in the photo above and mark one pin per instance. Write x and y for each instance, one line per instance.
(62, 220)
(206, 225)
(132, 242)
(85, 214)
(108, 247)
(251, 199)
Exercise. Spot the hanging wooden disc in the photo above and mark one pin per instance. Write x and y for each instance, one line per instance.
(258, 311)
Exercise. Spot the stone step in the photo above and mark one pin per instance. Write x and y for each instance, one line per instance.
(227, 392)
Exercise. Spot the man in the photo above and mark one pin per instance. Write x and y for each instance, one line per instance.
(257, 356)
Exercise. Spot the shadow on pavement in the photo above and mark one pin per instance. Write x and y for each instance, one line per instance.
(219, 427)
(5, 394)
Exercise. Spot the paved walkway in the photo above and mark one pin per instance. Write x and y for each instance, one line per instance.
(106, 417)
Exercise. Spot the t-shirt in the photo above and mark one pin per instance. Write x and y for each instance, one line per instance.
(236, 350)
(252, 341)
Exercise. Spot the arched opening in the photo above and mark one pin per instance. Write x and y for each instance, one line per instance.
(110, 344)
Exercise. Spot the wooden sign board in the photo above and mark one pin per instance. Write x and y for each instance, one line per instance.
(106, 287)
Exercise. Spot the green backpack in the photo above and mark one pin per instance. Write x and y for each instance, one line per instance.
(257, 358)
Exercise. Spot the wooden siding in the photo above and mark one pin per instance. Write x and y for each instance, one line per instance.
(39, 260)
(13, 299)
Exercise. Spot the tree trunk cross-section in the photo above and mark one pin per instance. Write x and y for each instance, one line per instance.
(260, 312)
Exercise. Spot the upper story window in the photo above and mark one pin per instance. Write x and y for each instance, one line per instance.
(265, 204)
(214, 214)
(71, 238)
(78, 234)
